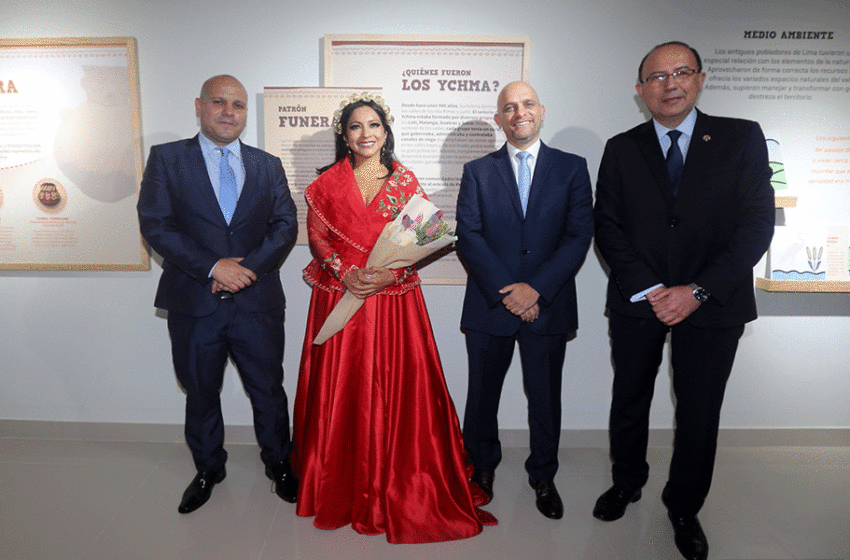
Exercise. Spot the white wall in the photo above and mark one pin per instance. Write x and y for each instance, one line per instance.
(90, 347)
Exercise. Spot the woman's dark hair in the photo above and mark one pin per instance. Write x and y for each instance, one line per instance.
(342, 150)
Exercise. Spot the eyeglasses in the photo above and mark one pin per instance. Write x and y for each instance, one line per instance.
(679, 75)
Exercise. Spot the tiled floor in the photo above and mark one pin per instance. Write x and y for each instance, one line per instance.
(69, 500)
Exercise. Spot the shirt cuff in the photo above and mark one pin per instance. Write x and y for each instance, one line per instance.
(641, 296)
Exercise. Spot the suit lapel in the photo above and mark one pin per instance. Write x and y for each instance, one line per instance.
(654, 157)
(506, 172)
(201, 178)
(698, 152)
(249, 188)
(541, 169)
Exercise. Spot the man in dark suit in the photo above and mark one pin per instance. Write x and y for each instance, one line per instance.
(682, 218)
(524, 223)
(221, 216)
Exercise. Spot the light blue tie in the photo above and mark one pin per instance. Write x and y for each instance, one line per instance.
(227, 194)
(524, 179)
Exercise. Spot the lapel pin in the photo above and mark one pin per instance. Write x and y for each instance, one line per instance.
(706, 138)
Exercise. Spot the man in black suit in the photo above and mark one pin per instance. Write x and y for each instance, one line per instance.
(221, 216)
(524, 224)
(681, 220)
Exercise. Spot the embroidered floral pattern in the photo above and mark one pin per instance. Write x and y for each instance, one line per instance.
(332, 264)
(354, 98)
(393, 201)
(402, 274)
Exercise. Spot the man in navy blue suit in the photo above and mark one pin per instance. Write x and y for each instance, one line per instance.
(221, 216)
(684, 211)
(524, 224)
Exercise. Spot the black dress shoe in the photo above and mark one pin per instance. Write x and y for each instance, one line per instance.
(484, 480)
(612, 504)
(548, 500)
(285, 483)
(200, 489)
(690, 540)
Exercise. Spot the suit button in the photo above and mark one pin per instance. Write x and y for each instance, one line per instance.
(526, 252)
(674, 222)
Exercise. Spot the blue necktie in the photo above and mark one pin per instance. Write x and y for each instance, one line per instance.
(675, 161)
(227, 194)
(524, 179)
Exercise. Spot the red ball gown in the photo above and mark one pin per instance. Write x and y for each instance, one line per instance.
(377, 442)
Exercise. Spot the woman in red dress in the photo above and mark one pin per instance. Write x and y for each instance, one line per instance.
(376, 438)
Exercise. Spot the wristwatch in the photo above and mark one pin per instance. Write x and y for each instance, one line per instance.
(699, 292)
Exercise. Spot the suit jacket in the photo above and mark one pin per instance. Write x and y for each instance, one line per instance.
(543, 249)
(181, 219)
(713, 233)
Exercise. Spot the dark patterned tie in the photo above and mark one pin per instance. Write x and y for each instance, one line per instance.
(227, 193)
(675, 161)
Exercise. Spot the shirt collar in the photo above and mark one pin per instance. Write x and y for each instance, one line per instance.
(534, 149)
(207, 146)
(686, 126)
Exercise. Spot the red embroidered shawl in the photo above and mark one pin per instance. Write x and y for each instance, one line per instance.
(342, 229)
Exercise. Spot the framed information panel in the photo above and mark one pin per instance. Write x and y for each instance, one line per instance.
(442, 91)
(299, 130)
(70, 155)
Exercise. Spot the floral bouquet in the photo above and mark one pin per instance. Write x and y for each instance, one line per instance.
(418, 231)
